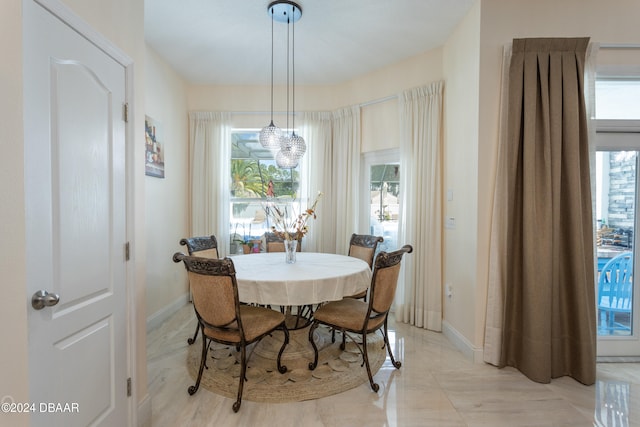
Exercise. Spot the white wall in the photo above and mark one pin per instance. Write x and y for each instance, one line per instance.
(461, 64)
(13, 305)
(167, 200)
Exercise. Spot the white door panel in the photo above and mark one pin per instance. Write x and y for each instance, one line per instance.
(75, 209)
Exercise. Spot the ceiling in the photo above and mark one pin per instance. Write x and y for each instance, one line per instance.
(228, 42)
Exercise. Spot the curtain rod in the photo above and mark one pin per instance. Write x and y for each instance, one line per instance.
(619, 46)
(261, 112)
(363, 104)
(377, 101)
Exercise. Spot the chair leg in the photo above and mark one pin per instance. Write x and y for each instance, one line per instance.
(604, 326)
(395, 363)
(243, 372)
(312, 365)
(282, 368)
(192, 340)
(610, 318)
(192, 389)
(365, 355)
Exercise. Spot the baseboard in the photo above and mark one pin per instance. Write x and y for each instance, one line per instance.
(462, 343)
(144, 412)
(618, 359)
(157, 318)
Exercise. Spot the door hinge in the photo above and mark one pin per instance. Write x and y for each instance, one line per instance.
(129, 387)
(125, 112)
(127, 251)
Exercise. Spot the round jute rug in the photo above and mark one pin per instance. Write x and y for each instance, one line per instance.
(337, 370)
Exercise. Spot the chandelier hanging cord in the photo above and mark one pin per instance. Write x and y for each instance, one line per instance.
(293, 76)
(272, 66)
(297, 145)
(288, 28)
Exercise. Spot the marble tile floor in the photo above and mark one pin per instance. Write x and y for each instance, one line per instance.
(436, 386)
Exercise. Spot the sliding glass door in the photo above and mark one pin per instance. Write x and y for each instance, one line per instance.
(616, 212)
(381, 204)
(616, 208)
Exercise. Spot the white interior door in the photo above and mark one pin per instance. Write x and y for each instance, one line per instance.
(75, 192)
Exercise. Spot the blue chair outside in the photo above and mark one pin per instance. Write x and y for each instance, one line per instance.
(615, 286)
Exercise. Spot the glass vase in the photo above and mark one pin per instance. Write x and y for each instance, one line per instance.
(290, 247)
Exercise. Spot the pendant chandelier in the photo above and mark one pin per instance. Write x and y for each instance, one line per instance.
(290, 147)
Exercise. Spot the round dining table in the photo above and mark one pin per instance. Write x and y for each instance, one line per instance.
(266, 279)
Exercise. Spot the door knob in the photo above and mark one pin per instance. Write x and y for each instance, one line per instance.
(42, 299)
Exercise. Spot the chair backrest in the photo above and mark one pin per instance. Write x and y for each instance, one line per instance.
(385, 280)
(615, 283)
(275, 243)
(205, 246)
(364, 246)
(215, 293)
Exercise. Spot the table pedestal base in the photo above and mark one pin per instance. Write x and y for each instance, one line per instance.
(297, 354)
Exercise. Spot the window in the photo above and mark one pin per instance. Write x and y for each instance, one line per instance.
(617, 162)
(254, 177)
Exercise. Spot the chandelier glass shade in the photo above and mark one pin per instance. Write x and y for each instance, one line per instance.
(284, 158)
(270, 136)
(297, 146)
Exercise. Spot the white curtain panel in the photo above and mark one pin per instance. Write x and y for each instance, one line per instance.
(419, 294)
(497, 268)
(209, 134)
(345, 189)
(316, 129)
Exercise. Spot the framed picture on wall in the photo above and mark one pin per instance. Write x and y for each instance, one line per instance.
(154, 148)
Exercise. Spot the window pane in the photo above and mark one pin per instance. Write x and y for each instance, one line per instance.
(384, 207)
(618, 99)
(615, 210)
(254, 177)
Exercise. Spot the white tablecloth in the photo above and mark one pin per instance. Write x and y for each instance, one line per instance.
(265, 278)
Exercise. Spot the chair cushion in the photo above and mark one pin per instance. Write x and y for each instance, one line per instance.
(206, 253)
(360, 295)
(348, 313)
(275, 246)
(365, 254)
(256, 321)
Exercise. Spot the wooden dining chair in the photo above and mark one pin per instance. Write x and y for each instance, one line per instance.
(275, 243)
(615, 288)
(206, 247)
(356, 316)
(221, 317)
(364, 246)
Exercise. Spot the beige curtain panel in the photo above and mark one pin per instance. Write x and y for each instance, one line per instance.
(208, 142)
(542, 269)
(419, 293)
